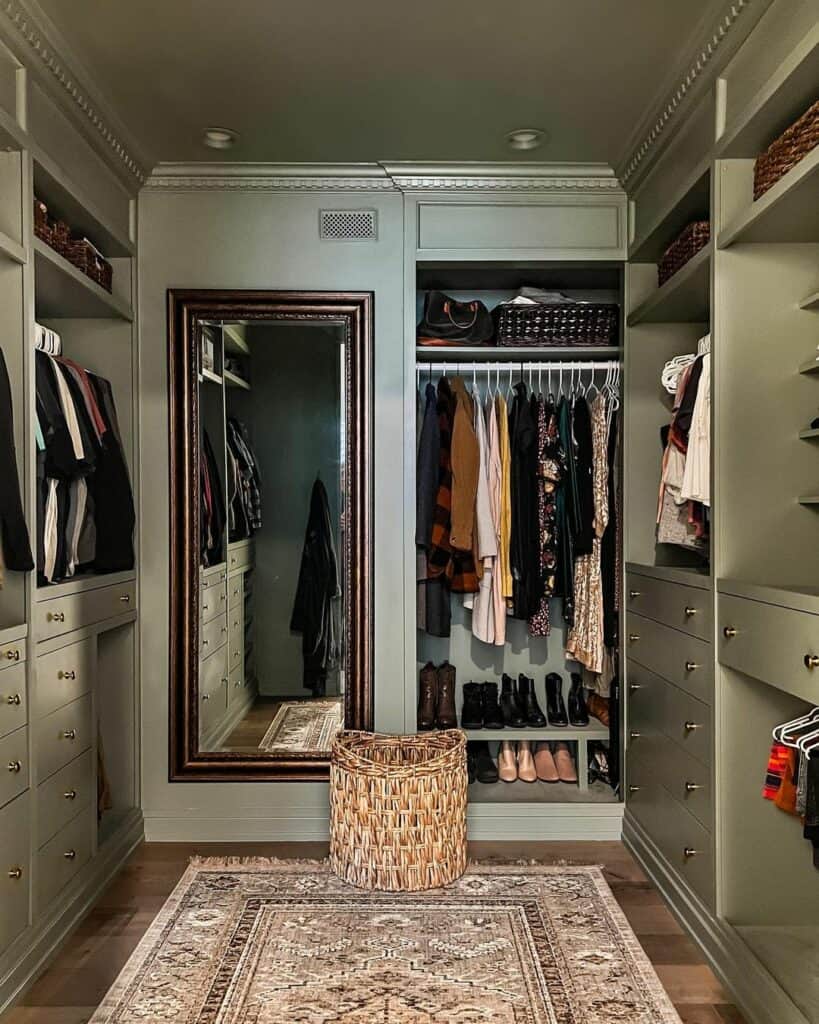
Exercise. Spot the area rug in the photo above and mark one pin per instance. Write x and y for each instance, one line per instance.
(303, 725)
(286, 942)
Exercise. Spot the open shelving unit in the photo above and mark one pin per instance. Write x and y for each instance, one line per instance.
(63, 291)
(683, 298)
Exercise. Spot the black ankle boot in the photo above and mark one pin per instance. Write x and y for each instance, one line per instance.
(486, 770)
(492, 715)
(555, 708)
(578, 712)
(513, 716)
(471, 763)
(472, 708)
(528, 701)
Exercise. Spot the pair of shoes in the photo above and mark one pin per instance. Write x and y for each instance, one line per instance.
(481, 709)
(436, 698)
(515, 761)
(554, 762)
(518, 702)
(599, 707)
(578, 715)
(480, 764)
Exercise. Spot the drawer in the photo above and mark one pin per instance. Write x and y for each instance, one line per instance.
(678, 657)
(64, 795)
(689, 609)
(63, 676)
(13, 765)
(236, 684)
(236, 638)
(686, 845)
(62, 735)
(770, 643)
(213, 686)
(213, 635)
(13, 703)
(63, 856)
(236, 590)
(213, 574)
(214, 601)
(240, 555)
(657, 705)
(60, 615)
(12, 653)
(685, 778)
(15, 869)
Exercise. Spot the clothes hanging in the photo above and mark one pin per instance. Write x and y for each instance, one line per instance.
(245, 490)
(212, 506)
(16, 544)
(524, 555)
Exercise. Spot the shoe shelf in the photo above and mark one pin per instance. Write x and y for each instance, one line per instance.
(541, 793)
(593, 731)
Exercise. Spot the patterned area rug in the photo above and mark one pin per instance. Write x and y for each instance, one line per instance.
(304, 725)
(278, 942)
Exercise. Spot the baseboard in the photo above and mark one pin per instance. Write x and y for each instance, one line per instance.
(289, 828)
(756, 992)
(30, 954)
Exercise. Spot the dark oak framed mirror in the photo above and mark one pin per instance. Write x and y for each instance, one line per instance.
(271, 533)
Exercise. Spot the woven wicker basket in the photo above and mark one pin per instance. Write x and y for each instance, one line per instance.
(569, 323)
(786, 151)
(688, 243)
(398, 809)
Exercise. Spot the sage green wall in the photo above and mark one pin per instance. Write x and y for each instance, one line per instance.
(220, 239)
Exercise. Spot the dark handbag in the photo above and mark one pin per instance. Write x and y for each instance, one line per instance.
(448, 322)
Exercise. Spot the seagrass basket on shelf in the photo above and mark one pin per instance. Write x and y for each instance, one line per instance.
(398, 809)
(787, 150)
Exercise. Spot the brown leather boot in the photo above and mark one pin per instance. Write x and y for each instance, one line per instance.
(446, 717)
(427, 697)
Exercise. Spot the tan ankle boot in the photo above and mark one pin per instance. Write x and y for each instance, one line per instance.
(564, 762)
(526, 763)
(545, 763)
(507, 764)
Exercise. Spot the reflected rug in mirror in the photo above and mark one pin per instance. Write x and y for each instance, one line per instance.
(286, 942)
(304, 725)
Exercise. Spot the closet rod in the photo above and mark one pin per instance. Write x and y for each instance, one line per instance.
(479, 365)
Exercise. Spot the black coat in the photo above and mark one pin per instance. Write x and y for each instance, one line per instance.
(16, 545)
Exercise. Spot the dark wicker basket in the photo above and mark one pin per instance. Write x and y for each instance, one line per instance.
(42, 225)
(786, 151)
(85, 257)
(569, 323)
(692, 238)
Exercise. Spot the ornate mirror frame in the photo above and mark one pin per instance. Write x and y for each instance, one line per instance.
(353, 311)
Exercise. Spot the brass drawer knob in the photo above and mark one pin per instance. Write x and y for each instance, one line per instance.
(14, 699)
(634, 687)
(224, 629)
(67, 674)
(70, 794)
(205, 607)
(811, 661)
(633, 638)
(13, 654)
(689, 611)
(70, 854)
(634, 735)
(238, 683)
(15, 874)
(205, 696)
(691, 726)
(634, 594)
(692, 787)
(634, 789)
(689, 852)
(55, 617)
(15, 767)
(729, 632)
(70, 734)
(125, 598)
(691, 666)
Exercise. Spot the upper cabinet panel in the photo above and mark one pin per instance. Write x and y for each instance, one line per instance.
(572, 227)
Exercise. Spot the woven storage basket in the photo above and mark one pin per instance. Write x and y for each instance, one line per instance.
(85, 257)
(568, 323)
(786, 151)
(398, 809)
(688, 243)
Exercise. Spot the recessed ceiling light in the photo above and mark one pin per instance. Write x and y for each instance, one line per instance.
(219, 138)
(525, 138)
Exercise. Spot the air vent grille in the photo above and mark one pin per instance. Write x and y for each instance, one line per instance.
(348, 226)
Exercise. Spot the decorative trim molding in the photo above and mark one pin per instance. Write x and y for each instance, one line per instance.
(32, 35)
(461, 184)
(699, 64)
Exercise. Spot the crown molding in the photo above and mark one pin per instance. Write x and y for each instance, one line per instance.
(403, 177)
(38, 45)
(714, 47)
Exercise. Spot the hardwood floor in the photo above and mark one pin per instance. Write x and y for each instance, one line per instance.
(78, 978)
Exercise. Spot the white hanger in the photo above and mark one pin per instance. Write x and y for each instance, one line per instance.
(781, 732)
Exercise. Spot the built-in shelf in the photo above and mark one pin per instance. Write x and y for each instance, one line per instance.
(593, 731)
(11, 249)
(80, 584)
(787, 212)
(684, 298)
(690, 576)
(690, 202)
(516, 354)
(232, 381)
(214, 378)
(810, 301)
(809, 499)
(784, 97)
(541, 792)
(809, 366)
(62, 291)
(234, 341)
(808, 435)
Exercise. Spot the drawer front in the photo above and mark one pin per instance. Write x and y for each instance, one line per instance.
(13, 765)
(213, 686)
(236, 684)
(64, 796)
(214, 601)
(63, 676)
(62, 736)
(15, 869)
(60, 615)
(655, 705)
(12, 654)
(236, 590)
(63, 856)
(236, 638)
(213, 636)
(678, 657)
(684, 842)
(685, 608)
(13, 703)
(685, 778)
(240, 555)
(770, 643)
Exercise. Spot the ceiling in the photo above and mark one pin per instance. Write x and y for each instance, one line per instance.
(367, 80)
